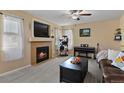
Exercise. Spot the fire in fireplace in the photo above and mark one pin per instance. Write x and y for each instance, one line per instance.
(42, 53)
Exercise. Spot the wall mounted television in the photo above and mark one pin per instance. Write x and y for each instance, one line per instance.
(41, 30)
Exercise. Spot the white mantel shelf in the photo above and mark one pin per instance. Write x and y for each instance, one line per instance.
(41, 39)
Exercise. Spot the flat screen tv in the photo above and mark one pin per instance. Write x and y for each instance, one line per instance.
(41, 30)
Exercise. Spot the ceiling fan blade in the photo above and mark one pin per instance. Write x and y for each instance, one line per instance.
(85, 14)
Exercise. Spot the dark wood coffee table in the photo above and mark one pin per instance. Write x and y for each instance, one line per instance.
(73, 73)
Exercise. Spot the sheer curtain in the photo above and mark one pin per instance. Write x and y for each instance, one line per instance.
(69, 33)
(12, 38)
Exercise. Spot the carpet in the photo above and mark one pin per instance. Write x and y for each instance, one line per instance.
(48, 72)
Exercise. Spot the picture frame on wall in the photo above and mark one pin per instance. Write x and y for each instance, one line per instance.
(118, 37)
(85, 32)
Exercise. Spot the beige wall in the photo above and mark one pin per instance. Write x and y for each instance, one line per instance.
(101, 32)
(122, 30)
(7, 66)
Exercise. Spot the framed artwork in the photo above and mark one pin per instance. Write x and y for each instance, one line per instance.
(118, 37)
(85, 32)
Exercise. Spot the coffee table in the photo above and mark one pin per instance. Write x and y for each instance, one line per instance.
(73, 73)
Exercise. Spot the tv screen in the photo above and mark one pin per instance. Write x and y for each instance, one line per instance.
(41, 30)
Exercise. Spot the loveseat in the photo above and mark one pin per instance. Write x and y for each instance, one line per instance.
(110, 73)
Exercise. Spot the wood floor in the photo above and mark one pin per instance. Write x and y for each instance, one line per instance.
(48, 72)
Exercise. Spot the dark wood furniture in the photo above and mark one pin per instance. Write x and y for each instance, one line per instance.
(73, 73)
(110, 73)
(85, 50)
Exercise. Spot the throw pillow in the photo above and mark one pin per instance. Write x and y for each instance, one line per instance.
(103, 54)
(119, 61)
(112, 54)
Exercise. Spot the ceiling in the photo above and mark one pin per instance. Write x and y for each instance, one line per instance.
(61, 17)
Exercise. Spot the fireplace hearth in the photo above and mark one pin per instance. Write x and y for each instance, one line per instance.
(42, 53)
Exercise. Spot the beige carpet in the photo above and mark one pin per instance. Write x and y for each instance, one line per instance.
(48, 72)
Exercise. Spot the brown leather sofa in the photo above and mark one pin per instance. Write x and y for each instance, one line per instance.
(110, 73)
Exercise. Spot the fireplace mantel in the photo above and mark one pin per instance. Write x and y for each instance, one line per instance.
(41, 39)
(41, 42)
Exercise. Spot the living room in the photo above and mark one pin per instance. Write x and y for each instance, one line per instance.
(102, 25)
(18, 73)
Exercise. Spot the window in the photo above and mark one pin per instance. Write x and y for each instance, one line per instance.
(69, 33)
(58, 36)
(12, 42)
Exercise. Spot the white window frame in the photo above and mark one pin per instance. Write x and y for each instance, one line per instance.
(17, 51)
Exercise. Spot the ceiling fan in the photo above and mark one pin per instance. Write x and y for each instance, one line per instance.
(75, 14)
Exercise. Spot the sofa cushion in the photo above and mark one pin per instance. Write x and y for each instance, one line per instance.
(103, 54)
(105, 62)
(119, 61)
(112, 54)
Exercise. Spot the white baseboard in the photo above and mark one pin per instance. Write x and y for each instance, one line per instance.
(2, 74)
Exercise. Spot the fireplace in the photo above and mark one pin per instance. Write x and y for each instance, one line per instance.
(41, 49)
(42, 53)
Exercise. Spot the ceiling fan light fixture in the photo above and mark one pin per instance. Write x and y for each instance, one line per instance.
(74, 17)
(82, 12)
(76, 14)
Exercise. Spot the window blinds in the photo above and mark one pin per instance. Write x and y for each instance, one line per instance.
(12, 39)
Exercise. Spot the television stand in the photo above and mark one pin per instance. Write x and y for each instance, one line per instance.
(85, 50)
